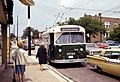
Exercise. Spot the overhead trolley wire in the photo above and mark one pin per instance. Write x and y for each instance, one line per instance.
(110, 10)
(96, 10)
(68, 8)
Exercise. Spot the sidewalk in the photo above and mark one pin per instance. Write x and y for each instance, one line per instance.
(34, 74)
(6, 74)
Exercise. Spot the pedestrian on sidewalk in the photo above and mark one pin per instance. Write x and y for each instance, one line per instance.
(42, 55)
(20, 58)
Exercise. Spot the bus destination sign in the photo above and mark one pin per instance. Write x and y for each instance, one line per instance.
(70, 29)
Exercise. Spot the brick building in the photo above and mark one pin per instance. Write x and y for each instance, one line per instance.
(109, 24)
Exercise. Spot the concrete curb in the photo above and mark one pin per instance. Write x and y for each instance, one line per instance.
(61, 76)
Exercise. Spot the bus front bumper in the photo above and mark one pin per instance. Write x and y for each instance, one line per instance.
(70, 61)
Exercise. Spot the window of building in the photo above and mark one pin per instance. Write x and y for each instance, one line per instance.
(116, 24)
(107, 34)
(107, 24)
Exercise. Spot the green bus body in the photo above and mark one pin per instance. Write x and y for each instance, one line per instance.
(68, 54)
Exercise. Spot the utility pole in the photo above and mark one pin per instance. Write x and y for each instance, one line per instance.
(100, 31)
(13, 31)
(17, 29)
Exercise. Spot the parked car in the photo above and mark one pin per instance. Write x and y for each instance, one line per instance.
(103, 45)
(107, 61)
(92, 49)
(26, 46)
(112, 44)
(37, 42)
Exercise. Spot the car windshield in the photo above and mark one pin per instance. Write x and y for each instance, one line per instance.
(72, 37)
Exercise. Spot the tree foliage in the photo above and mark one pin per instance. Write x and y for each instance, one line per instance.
(12, 36)
(33, 31)
(35, 34)
(115, 34)
(71, 21)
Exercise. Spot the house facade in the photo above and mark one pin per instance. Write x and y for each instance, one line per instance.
(109, 24)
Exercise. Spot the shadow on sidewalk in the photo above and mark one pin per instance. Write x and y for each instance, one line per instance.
(34, 63)
(25, 79)
(44, 69)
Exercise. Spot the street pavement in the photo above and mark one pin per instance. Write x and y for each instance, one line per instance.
(34, 74)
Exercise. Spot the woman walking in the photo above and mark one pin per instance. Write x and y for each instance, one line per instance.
(42, 55)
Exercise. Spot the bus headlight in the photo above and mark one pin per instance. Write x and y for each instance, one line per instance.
(81, 49)
(60, 50)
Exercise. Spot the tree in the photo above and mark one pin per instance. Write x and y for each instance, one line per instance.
(12, 36)
(92, 26)
(25, 32)
(72, 21)
(35, 34)
(33, 31)
(115, 34)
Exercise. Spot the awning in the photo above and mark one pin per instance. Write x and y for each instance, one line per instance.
(3, 18)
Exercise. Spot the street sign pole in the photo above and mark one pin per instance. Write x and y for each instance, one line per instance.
(29, 33)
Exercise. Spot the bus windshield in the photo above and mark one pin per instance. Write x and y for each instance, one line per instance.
(71, 37)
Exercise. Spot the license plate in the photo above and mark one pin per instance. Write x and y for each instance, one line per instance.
(70, 56)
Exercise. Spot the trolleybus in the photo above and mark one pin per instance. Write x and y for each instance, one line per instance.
(65, 44)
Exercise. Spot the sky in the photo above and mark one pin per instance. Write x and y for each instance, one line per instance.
(45, 13)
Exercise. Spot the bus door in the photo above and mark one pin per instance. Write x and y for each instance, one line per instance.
(51, 47)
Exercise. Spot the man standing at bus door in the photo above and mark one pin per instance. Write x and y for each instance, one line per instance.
(42, 55)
